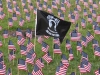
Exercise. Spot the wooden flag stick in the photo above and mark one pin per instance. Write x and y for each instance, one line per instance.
(13, 59)
(18, 71)
(77, 52)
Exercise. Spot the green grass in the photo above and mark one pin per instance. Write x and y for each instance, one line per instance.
(51, 68)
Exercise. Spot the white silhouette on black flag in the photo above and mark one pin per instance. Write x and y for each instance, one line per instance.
(50, 25)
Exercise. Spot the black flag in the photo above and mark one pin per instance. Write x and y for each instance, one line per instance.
(50, 25)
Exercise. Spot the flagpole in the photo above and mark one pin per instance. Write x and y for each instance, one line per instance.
(13, 59)
(35, 30)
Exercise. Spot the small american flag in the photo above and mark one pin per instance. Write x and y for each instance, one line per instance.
(84, 41)
(89, 37)
(57, 49)
(2, 15)
(19, 32)
(45, 47)
(17, 11)
(71, 57)
(47, 57)
(91, 1)
(90, 18)
(11, 45)
(56, 41)
(23, 49)
(22, 65)
(23, 2)
(83, 23)
(62, 16)
(35, 9)
(1, 43)
(98, 19)
(72, 19)
(21, 22)
(94, 13)
(12, 55)
(29, 58)
(10, 22)
(40, 6)
(54, 5)
(30, 45)
(20, 40)
(63, 8)
(30, 6)
(97, 30)
(25, 9)
(1, 7)
(49, 9)
(29, 33)
(46, 36)
(85, 3)
(97, 51)
(27, 16)
(14, 17)
(75, 10)
(9, 72)
(97, 72)
(75, 36)
(1, 54)
(59, 11)
(79, 7)
(95, 5)
(64, 60)
(85, 12)
(29, 1)
(90, 8)
(14, 2)
(79, 46)
(33, 53)
(1, 60)
(40, 39)
(10, 8)
(45, 5)
(95, 43)
(68, 45)
(38, 2)
(94, 24)
(2, 69)
(36, 70)
(40, 63)
(84, 55)
(5, 34)
(77, 27)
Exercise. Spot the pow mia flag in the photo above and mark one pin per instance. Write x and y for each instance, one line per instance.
(50, 25)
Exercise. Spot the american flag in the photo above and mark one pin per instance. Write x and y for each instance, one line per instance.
(54, 5)
(79, 7)
(39, 63)
(47, 57)
(29, 33)
(63, 8)
(79, 46)
(62, 16)
(68, 45)
(69, 15)
(94, 24)
(91, 1)
(29, 1)
(33, 53)
(84, 55)
(46, 36)
(45, 5)
(57, 49)
(12, 55)
(2, 15)
(11, 45)
(5, 34)
(9, 72)
(71, 57)
(90, 18)
(10, 22)
(95, 5)
(35, 9)
(68, 4)
(97, 51)
(97, 72)
(75, 37)
(45, 47)
(83, 23)
(72, 19)
(14, 17)
(30, 6)
(89, 37)
(95, 43)
(27, 16)
(36, 70)
(56, 41)
(20, 40)
(84, 41)
(73, 73)
(94, 13)
(21, 22)
(40, 6)
(97, 30)
(75, 10)
(23, 50)
(1, 60)
(90, 8)
(85, 3)
(59, 11)
(19, 32)
(85, 12)
(23, 2)
(82, 68)
(38, 2)
(61, 70)
(98, 19)
(10, 8)
(29, 73)
(57, 2)
(1, 43)
(64, 60)
(25, 9)
(2, 69)
(1, 7)
(22, 65)
(30, 45)
(17, 11)
(14, 2)
(29, 58)
(40, 39)
(77, 27)
(1, 54)
(49, 9)
(76, 16)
